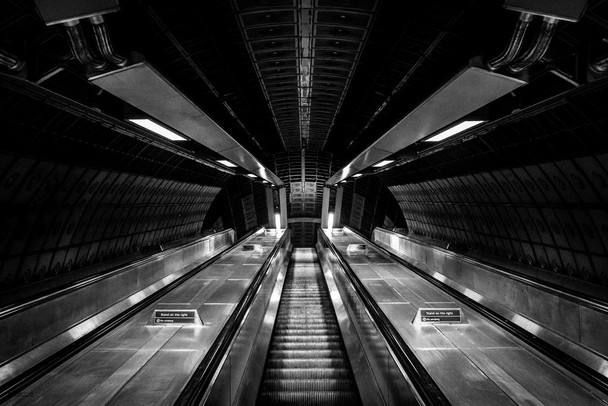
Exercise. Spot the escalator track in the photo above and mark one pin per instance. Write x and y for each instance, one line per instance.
(307, 363)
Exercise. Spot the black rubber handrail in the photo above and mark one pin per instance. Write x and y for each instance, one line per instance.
(12, 387)
(200, 383)
(423, 383)
(571, 364)
(29, 303)
(587, 301)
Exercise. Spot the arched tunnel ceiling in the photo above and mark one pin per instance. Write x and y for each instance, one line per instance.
(331, 76)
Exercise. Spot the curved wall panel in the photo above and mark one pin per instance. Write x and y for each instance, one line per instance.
(551, 215)
(59, 217)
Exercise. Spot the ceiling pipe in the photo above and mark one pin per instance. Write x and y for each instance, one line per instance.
(600, 66)
(104, 45)
(514, 46)
(80, 47)
(10, 61)
(538, 50)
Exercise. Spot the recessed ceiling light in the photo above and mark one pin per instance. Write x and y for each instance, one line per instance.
(156, 128)
(251, 175)
(357, 175)
(458, 128)
(383, 163)
(226, 163)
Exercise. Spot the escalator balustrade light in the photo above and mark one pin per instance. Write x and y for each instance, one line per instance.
(452, 131)
(157, 129)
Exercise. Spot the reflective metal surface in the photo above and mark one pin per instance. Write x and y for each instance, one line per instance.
(143, 87)
(142, 364)
(239, 377)
(378, 375)
(48, 324)
(469, 90)
(559, 318)
(476, 363)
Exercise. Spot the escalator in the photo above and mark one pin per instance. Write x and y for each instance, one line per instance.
(307, 363)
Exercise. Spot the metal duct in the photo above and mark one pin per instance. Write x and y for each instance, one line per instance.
(466, 92)
(600, 66)
(104, 45)
(538, 49)
(11, 61)
(146, 89)
(516, 40)
(80, 47)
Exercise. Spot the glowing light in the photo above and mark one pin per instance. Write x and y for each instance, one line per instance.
(458, 128)
(156, 128)
(383, 163)
(277, 221)
(226, 163)
(330, 221)
(251, 175)
(357, 175)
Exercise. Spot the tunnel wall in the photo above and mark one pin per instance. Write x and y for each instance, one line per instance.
(241, 205)
(58, 218)
(550, 215)
(367, 203)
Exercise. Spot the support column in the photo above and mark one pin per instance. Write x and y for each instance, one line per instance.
(325, 207)
(270, 207)
(283, 206)
(338, 208)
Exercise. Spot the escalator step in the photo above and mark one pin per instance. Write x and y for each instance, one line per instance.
(308, 354)
(321, 345)
(307, 373)
(308, 331)
(307, 363)
(305, 338)
(310, 398)
(311, 385)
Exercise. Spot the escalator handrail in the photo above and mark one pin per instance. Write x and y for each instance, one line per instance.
(201, 381)
(569, 363)
(29, 303)
(423, 383)
(569, 294)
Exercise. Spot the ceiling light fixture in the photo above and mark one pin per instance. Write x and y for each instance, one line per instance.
(251, 175)
(357, 175)
(226, 163)
(452, 131)
(383, 163)
(156, 128)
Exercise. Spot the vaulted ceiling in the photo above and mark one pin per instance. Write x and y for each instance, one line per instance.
(325, 76)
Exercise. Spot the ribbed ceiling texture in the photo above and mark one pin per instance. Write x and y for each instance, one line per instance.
(305, 86)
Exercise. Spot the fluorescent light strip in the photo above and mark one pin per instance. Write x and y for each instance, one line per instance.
(357, 175)
(156, 128)
(226, 163)
(251, 175)
(458, 128)
(383, 163)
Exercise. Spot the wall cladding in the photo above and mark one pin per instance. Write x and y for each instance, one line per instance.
(58, 217)
(551, 215)
(367, 203)
(240, 205)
